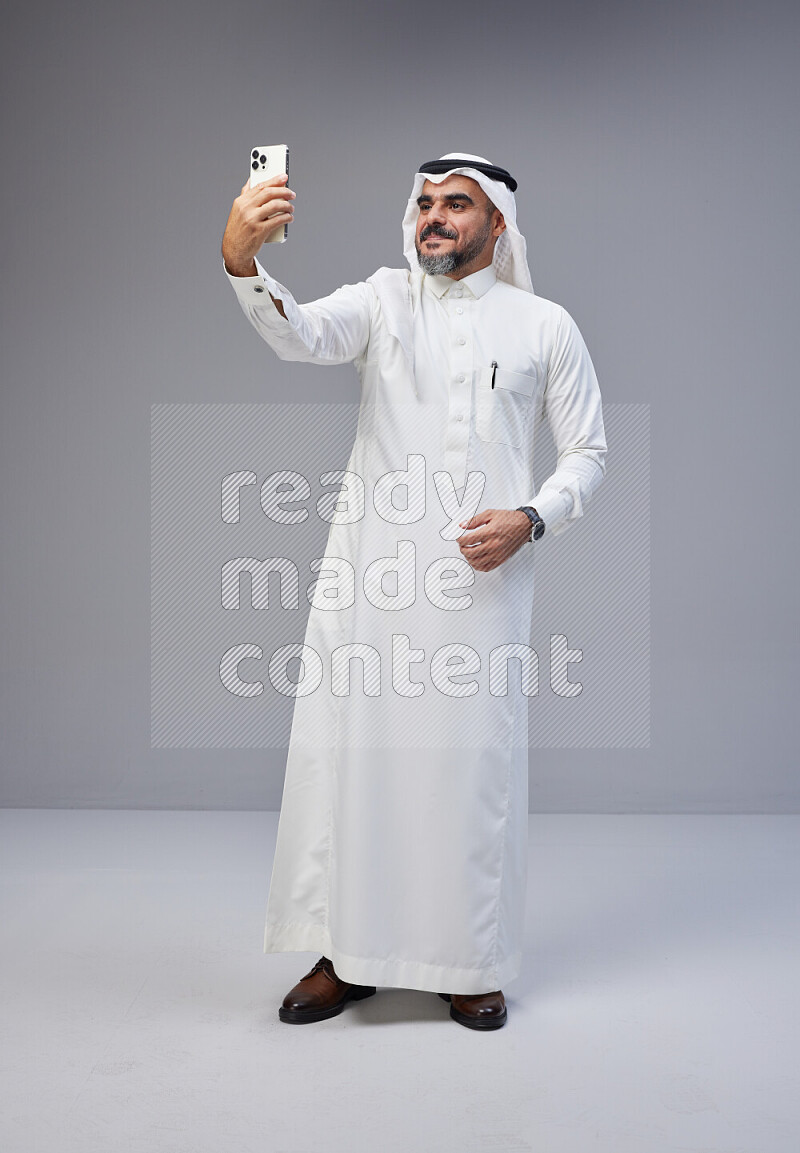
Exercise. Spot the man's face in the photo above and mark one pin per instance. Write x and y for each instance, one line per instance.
(457, 227)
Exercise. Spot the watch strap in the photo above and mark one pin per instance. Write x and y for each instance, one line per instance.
(537, 524)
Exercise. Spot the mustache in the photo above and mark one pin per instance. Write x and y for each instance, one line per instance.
(436, 230)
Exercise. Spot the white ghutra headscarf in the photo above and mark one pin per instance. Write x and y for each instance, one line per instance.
(510, 252)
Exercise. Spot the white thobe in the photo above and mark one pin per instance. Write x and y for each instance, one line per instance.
(401, 851)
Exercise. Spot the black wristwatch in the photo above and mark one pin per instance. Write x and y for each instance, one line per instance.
(537, 524)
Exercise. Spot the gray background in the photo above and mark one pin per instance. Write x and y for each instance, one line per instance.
(656, 151)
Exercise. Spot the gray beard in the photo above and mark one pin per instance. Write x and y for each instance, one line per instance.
(437, 263)
(442, 263)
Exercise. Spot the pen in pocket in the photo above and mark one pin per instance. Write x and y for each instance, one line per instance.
(494, 370)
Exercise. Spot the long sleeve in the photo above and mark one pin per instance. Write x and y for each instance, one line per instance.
(574, 411)
(332, 330)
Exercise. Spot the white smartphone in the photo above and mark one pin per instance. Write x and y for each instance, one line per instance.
(265, 163)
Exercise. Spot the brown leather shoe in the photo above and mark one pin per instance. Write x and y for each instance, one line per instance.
(478, 1010)
(320, 994)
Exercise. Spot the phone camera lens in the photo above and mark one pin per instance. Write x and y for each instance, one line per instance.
(255, 154)
(255, 164)
(263, 158)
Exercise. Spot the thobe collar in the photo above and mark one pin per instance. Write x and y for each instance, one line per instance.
(476, 284)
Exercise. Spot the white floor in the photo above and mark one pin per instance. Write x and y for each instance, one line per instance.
(657, 1011)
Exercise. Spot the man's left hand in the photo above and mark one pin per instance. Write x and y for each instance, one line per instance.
(501, 532)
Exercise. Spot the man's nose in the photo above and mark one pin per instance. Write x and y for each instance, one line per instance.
(436, 214)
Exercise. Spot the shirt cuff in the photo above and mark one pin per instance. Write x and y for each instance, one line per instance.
(550, 506)
(254, 289)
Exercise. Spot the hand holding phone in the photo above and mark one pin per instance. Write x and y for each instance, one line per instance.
(266, 163)
(265, 196)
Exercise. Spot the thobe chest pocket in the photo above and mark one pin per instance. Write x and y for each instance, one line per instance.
(502, 412)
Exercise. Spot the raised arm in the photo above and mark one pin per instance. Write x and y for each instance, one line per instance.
(332, 330)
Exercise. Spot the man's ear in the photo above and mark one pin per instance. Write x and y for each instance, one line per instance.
(499, 223)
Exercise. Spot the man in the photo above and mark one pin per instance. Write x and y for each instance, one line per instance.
(402, 843)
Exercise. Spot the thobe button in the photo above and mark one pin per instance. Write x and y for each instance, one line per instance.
(460, 378)
(258, 288)
(462, 340)
(458, 292)
(460, 310)
(460, 416)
